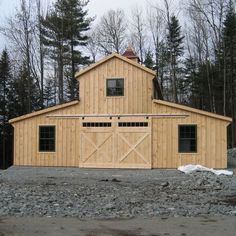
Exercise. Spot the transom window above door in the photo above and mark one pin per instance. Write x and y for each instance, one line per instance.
(115, 87)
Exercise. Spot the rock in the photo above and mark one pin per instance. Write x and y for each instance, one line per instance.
(109, 206)
(133, 200)
(171, 208)
(199, 182)
(115, 180)
(104, 180)
(233, 213)
(164, 184)
(69, 204)
(141, 194)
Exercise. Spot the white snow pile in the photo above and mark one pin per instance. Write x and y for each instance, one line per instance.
(188, 169)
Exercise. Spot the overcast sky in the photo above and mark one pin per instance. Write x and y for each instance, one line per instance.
(95, 8)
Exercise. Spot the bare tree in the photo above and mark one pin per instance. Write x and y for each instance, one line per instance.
(156, 26)
(19, 31)
(41, 49)
(138, 34)
(24, 34)
(93, 44)
(112, 31)
(212, 11)
(206, 18)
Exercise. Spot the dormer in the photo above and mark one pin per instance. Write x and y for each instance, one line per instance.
(117, 84)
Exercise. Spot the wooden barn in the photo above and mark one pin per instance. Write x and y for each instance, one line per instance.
(120, 121)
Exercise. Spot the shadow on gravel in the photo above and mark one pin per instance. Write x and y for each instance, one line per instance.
(230, 200)
(113, 180)
(116, 232)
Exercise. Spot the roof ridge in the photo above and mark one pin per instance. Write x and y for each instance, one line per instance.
(90, 67)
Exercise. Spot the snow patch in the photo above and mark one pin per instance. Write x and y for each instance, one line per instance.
(193, 168)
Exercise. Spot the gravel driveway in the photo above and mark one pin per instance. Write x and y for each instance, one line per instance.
(91, 193)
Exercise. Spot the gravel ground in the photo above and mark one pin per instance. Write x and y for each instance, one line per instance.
(90, 193)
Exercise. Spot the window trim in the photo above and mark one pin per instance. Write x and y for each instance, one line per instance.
(55, 135)
(196, 139)
(115, 96)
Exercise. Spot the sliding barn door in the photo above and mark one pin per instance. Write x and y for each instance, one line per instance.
(116, 145)
(133, 147)
(97, 148)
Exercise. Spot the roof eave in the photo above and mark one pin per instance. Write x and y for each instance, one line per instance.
(194, 110)
(44, 111)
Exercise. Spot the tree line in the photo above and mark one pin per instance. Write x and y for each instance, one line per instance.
(192, 49)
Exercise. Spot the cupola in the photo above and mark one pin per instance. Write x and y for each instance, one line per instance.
(129, 53)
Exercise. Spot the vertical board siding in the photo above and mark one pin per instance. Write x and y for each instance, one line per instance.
(211, 132)
(137, 89)
(211, 140)
(26, 145)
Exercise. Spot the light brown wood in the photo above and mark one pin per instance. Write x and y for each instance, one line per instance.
(211, 138)
(44, 111)
(133, 147)
(193, 110)
(138, 89)
(155, 146)
(116, 147)
(113, 55)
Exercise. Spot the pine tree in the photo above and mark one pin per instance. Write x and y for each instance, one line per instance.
(161, 66)
(194, 84)
(4, 81)
(64, 31)
(50, 92)
(175, 49)
(229, 65)
(148, 62)
(53, 32)
(76, 25)
(5, 128)
(20, 90)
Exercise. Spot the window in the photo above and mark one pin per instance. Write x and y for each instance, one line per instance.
(188, 138)
(96, 124)
(115, 87)
(133, 124)
(47, 138)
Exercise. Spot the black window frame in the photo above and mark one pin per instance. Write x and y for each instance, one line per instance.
(132, 124)
(189, 139)
(41, 139)
(97, 124)
(117, 88)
